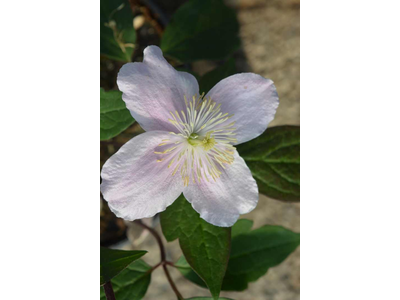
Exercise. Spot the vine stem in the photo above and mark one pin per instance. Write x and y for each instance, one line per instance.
(108, 290)
(164, 261)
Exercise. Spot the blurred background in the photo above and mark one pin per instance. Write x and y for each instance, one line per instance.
(270, 46)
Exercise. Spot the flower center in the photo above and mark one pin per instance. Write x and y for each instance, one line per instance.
(202, 143)
(207, 142)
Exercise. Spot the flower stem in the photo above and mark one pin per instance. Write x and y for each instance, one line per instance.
(163, 257)
(108, 290)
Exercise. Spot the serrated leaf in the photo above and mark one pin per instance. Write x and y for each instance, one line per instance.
(210, 79)
(252, 254)
(201, 29)
(114, 116)
(131, 283)
(117, 35)
(206, 247)
(274, 161)
(112, 262)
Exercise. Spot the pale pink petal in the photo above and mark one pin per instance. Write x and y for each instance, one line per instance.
(153, 89)
(251, 98)
(221, 202)
(134, 184)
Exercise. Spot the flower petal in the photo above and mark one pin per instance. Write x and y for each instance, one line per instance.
(134, 184)
(153, 89)
(251, 98)
(221, 202)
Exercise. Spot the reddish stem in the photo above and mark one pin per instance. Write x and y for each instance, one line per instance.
(163, 257)
(108, 290)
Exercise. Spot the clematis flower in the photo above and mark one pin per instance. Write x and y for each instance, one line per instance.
(189, 142)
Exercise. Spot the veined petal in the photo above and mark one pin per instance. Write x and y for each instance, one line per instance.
(153, 89)
(135, 184)
(251, 98)
(221, 202)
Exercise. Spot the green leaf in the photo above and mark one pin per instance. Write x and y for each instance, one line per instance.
(131, 283)
(206, 247)
(114, 116)
(117, 35)
(201, 29)
(252, 254)
(183, 266)
(274, 161)
(112, 262)
(241, 226)
(210, 79)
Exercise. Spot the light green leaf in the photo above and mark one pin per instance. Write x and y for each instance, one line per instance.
(210, 79)
(117, 35)
(114, 116)
(252, 254)
(206, 247)
(274, 161)
(201, 29)
(112, 262)
(131, 283)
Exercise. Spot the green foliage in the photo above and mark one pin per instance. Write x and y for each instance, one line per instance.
(252, 254)
(201, 29)
(210, 79)
(206, 247)
(183, 266)
(131, 283)
(117, 35)
(241, 226)
(114, 116)
(112, 262)
(274, 160)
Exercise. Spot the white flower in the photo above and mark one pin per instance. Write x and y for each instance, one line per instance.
(189, 143)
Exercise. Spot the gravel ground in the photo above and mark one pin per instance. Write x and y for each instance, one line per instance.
(270, 32)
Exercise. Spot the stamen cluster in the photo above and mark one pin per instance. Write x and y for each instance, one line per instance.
(202, 144)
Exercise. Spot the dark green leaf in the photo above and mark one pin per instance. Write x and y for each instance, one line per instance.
(252, 254)
(131, 283)
(201, 29)
(274, 160)
(210, 79)
(114, 116)
(112, 262)
(241, 226)
(117, 35)
(183, 266)
(206, 247)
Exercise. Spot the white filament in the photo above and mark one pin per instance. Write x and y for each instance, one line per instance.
(203, 142)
